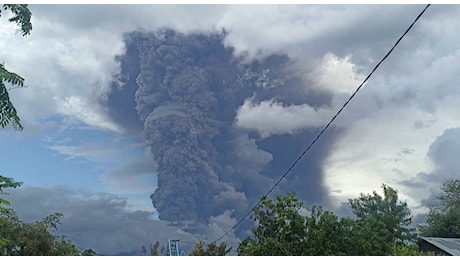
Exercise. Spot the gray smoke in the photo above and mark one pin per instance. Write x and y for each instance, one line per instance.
(188, 89)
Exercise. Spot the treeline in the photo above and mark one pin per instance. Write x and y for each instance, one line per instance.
(382, 225)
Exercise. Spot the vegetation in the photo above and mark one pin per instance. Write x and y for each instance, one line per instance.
(19, 238)
(444, 220)
(212, 249)
(381, 227)
(8, 114)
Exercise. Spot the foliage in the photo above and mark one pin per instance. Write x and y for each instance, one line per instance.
(369, 236)
(6, 182)
(283, 230)
(444, 220)
(154, 249)
(395, 215)
(212, 249)
(8, 113)
(88, 252)
(326, 234)
(33, 239)
(408, 250)
(19, 238)
(381, 227)
(280, 229)
(21, 16)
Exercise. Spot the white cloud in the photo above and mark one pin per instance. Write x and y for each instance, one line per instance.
(67, 72)
(334, 74)
(272, 117)
(82, 109)
(91, 152)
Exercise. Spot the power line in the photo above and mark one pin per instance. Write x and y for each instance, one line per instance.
(327, 125)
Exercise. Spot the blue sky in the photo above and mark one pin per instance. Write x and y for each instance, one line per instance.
(78, 157)
(74, 156)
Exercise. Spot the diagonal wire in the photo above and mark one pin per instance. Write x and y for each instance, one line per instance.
(327, 126)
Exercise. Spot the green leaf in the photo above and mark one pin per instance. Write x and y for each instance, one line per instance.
(8, 113)
(21, 16)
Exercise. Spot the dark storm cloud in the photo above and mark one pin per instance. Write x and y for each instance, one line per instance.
(189, 89)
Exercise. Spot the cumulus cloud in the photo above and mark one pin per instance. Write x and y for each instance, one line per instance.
(272, 117)
(67, 71)
(335, 74)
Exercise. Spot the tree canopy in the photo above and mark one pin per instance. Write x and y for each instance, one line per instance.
(381, 227)
(443, 220)
(394, 214)
(21, 15)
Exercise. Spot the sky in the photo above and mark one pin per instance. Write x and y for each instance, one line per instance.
(206, 106)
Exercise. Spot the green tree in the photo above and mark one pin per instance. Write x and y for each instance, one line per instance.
(5, 210)
(444, 220)
(326, 234)
(33, 239)
(394, 214)
(88, 252)
(8, 114)
(283, 230)
(19, 238)
(212, 249)
(369, 236)
(381, 227)
(408, 250)
(280, 228)
(5, 183)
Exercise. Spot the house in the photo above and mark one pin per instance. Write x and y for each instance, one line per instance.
(440, 245)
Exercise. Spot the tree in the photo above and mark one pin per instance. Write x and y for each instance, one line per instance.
(154, 249)
(88, 252)
(409, 250)
(381, 227)
(327, 234)
(6, 182)
(280, 228)
(8, 113)
(444, 220)
(212, 249)
(394, 214)
(33, 239)
(283, 230)
(19, 238)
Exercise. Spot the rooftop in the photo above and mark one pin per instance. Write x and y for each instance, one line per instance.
(449, 245)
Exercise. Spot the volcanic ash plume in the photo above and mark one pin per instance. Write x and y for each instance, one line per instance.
(189, 89)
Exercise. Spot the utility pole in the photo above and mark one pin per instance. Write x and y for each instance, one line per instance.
(173, 248)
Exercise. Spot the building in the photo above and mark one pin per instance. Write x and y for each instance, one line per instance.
(440, 245)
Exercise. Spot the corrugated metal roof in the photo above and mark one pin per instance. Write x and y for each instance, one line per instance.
(450, 245)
